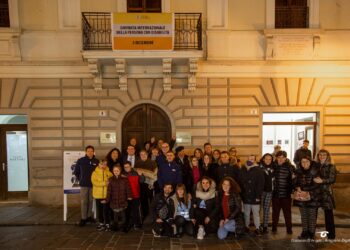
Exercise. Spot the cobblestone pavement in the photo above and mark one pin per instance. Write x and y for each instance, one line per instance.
(72, 237)
(27, 227)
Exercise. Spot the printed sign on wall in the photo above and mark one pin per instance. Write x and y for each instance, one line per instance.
(142, 31)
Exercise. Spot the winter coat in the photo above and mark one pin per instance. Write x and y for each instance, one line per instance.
(235, 210)
(83, 170)
(186, 172)
(283, 185)
(304, 180)
(111, 163)
(252, 183)
(162, 207)
(134, 182)
(209, 199)
(328, 173)
(211, 171)
(228, 170)
(299, 153)
(118, 192)
(99, 179)
(269, 176)
(182, 207)
(169, 172)
(149, 170)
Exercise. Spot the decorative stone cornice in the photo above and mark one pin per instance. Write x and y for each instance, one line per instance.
(167, 62)
(95, 68)
(120, 65)
(193, 69)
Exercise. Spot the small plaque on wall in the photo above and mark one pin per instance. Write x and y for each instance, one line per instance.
(107, 137)
(184, 138)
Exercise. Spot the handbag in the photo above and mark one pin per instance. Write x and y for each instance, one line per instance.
(301, 196)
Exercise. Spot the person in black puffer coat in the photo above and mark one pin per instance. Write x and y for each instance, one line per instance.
(328, 173)
(225, 168)
(307, 196)
(281, 195)
(229, 205)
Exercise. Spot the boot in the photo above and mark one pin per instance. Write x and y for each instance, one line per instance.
(304, 235)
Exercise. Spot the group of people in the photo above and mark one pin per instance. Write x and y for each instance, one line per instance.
(211, 191)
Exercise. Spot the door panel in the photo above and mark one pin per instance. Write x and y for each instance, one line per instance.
(144, 121)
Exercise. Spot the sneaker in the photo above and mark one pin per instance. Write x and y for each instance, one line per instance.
(82, 223)
(289, 231)
(107, 228)
(201, 233)
(274, 229)
(303, 235)
(155, 235)
(265, 230)
(100, 227)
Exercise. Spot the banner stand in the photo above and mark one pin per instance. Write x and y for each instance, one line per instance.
(65, 206)
(70, 182)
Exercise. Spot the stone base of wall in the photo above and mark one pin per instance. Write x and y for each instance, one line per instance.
(51, 197)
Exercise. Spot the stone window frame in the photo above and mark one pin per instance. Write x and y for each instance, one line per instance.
(314, 14)
(13, 14)
(123, 6)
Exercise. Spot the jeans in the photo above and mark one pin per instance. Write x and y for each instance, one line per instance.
(255, 208)
(229, 226)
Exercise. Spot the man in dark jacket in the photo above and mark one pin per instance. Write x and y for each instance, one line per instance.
(163, 212)
(182, 160)
(281, 196)
(83, 171)
(252, 184)
(226, 169)
(169, 172)
(147, 168)
(131, 155)
(302, 152)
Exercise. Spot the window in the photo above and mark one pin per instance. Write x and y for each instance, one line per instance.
(144, 6)
(291, 14)
(4, 13)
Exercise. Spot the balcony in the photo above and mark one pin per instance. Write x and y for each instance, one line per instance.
(103, 62)
(97, 31)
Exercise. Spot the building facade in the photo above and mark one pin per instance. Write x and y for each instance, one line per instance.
(240, 68)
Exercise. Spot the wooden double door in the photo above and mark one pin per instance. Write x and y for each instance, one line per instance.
(144, 121)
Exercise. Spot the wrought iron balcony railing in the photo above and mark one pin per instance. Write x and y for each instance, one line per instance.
(97, 31)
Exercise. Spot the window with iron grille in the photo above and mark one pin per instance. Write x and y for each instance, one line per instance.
(4, 13)
(291, 14)
(144, 6)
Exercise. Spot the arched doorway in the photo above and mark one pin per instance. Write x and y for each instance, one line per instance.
(144, 121)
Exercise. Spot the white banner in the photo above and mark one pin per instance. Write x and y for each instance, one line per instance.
(70, 182)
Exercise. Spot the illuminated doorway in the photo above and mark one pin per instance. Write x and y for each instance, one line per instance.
(289, 130)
